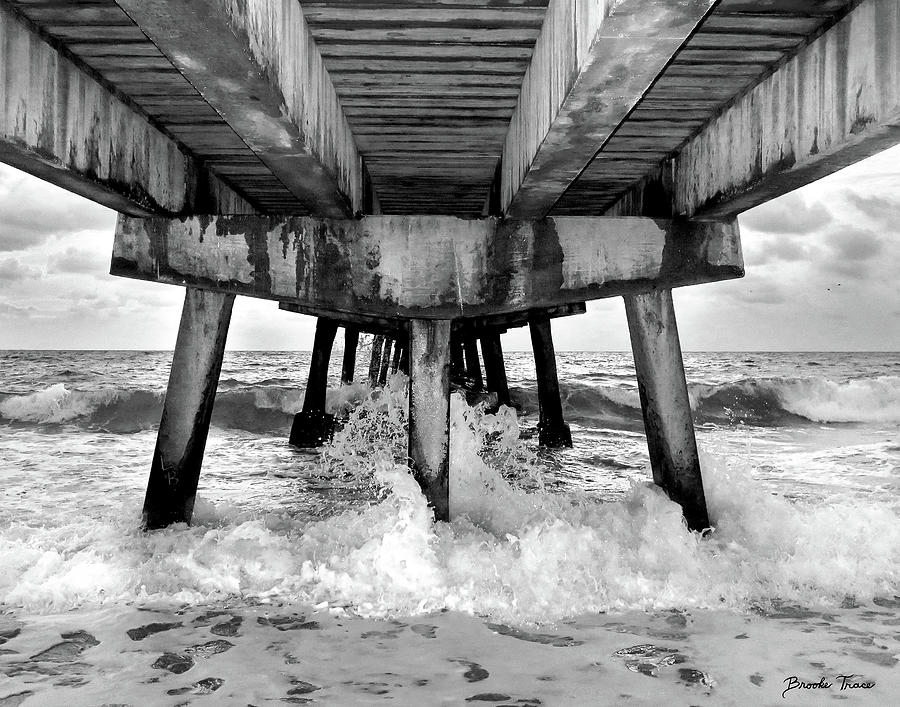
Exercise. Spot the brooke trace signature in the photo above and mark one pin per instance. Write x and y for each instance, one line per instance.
(844, 682)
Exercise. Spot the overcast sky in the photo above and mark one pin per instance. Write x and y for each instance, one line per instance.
(822, 274)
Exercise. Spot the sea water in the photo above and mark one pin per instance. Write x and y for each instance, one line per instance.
(565, 577)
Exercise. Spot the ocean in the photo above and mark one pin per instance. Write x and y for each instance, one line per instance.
(565, 578)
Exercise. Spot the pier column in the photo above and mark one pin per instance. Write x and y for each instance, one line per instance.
(398, 354)
(385, 360)
(473, 364)
(429, 411)
(457, 357)
(552, 428)
(494, 367)
(375, 361)
(181, 441)
(351, 342)
(665, 402)
(313, 426)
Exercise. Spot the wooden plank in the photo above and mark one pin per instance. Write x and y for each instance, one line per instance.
(295, 125)
(409, 16)
(589, 69)
(833, 104)
(432, 267)
(432, 52)
(428, 35)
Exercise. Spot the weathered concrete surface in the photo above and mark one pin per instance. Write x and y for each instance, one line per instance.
(256, 64)
(429, 411)
(181, 440)
(552, 428)
(432, 267)
(592, 63)
(836, 102)
(59, 124)
(665, 402)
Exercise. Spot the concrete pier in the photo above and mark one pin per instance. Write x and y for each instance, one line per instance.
(473, 362)
(552, 428)
(495, 366)
(554, 153)
(665, 403)
(375, 360)
(181, 441)
(348, 365)
(429, 411)
(313, 426)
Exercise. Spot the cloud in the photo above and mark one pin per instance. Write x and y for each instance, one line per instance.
(882, 207)
(854, 243)
(12, 270)
(33, 211)
(78, 260)
(789, 214)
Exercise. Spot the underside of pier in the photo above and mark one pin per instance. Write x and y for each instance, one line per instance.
(435, 173)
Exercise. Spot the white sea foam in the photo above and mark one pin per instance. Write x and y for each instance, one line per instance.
(515, 552)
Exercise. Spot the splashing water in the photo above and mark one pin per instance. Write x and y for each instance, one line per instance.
(515, 551)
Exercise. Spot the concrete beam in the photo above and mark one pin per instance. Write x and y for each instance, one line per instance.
(256, 64)
(835, 103)
(426, 266)
(61, 125)
(592, 63)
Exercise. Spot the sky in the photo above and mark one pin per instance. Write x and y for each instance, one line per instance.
(821, 266)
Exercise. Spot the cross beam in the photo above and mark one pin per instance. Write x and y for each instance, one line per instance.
(426, 266)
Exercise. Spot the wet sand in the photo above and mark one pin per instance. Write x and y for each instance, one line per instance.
(283, 654)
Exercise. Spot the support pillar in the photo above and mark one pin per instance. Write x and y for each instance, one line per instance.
(494, 367)
(552, 429)
(429, 411)
(457, 358)
(351, 342)
(385, 360)
(313, 426)
(181, 441)
(404, 357)
(665, 403)
(375, 361)
(398, 353)
(473, 364)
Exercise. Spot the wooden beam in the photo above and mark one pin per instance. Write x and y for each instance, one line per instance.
(591, 65)
(61, 125)
(257, 65)
(426, 266)
(836, 102)
(429, 411)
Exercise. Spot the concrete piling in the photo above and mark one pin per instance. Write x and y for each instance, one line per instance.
(348, 365)
(181, 441)
(494, 366)
(375, 361)
(429, 411)
(665, 403)
(313, 426)
(552, 428)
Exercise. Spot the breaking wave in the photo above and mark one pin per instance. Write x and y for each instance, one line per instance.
(270, 405)
(763, 402)
(254, 408)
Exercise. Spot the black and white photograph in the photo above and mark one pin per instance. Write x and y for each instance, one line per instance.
(511, 353)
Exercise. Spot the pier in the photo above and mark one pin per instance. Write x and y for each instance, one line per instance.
(436, 173)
